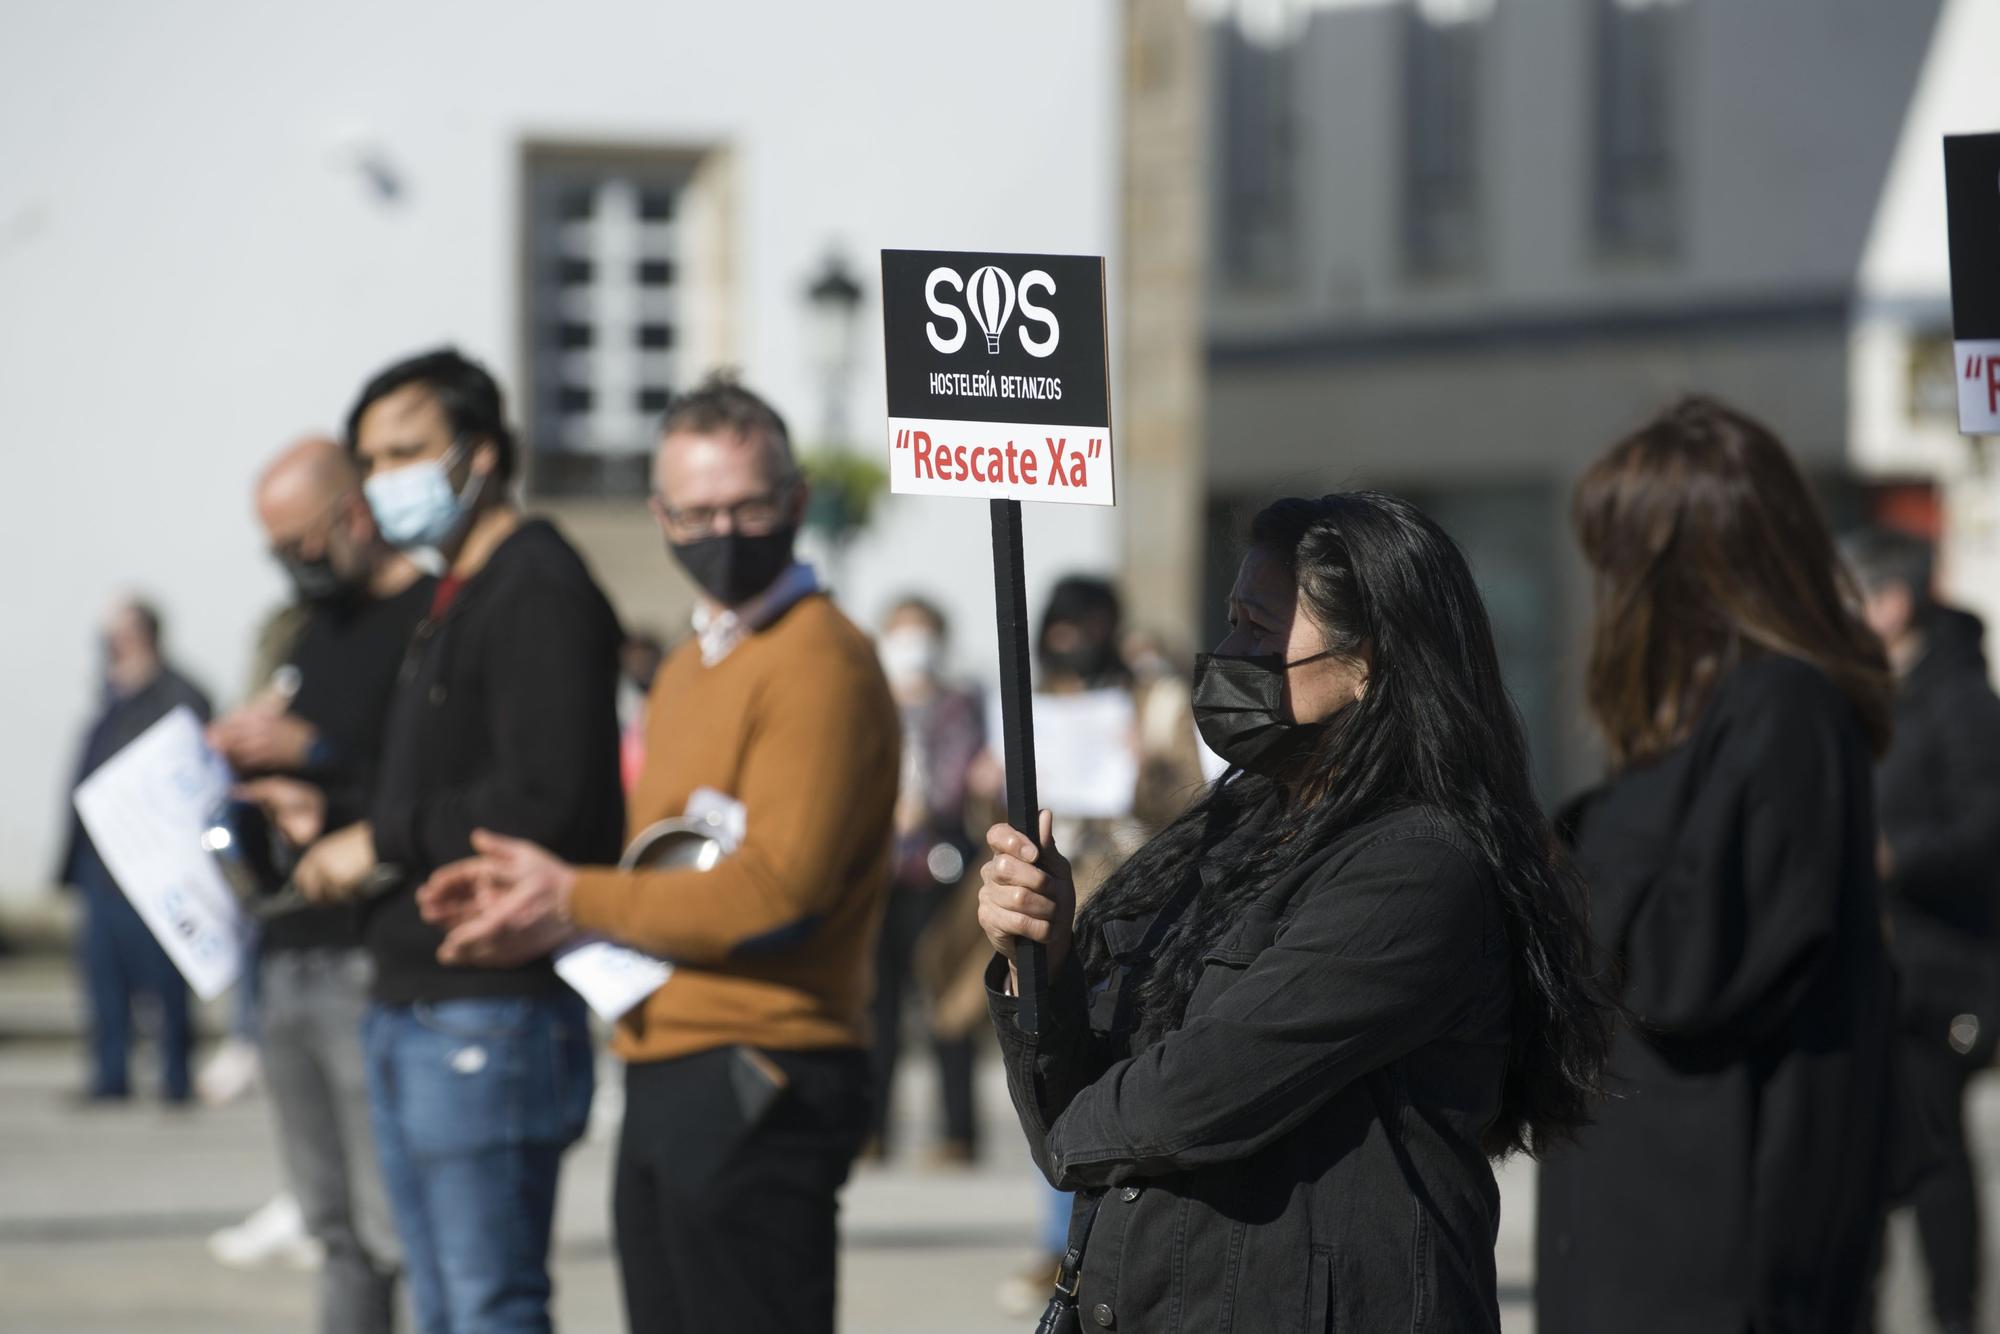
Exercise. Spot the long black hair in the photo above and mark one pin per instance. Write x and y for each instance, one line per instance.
(1435, 727)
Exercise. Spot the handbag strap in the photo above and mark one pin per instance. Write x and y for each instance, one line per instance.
(1069, 1275)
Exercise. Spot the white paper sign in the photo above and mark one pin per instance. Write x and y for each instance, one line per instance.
(1086, 752)
(145, 809)
(610, 978)
(723, 813)
(613, 978)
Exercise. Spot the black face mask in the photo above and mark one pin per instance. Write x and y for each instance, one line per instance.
(315, 580)
(1239, 709)
(732, 568)
(1089, 662)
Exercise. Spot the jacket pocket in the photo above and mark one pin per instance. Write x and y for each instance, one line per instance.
(1319, 1292)
(473, 1020)
(1220, 970)
(1225, 961)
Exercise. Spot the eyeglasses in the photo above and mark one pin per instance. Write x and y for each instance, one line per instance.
(752, 517)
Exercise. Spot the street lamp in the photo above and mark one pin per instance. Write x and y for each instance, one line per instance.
(844, 483)
(835, 302)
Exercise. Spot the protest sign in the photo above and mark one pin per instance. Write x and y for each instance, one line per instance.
(1972, 210)
(999, 388)
(999, 385)
(146, 809)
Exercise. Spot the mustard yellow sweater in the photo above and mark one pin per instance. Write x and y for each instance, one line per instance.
(774, 946)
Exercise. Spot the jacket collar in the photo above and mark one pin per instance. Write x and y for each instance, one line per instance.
(722, 631)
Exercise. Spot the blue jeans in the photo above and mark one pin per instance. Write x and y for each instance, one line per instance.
(122, 962)
(473, 1103)
(1057, 1206)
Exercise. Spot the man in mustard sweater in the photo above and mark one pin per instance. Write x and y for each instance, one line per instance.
(747, 1075)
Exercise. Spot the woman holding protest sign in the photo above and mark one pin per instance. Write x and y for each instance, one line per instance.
(1282, 1042)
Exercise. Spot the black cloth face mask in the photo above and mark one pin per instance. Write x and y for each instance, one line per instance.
(733, 568)
(315, 580)
(1239, 709)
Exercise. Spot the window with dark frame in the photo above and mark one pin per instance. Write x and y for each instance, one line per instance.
(1441, 179)
(1258, 227)
(603, 307)
(1636, 204)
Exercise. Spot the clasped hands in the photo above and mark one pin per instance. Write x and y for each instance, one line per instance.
(506, 905)
(263, 736)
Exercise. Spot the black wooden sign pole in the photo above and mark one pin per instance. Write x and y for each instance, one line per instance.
(1017, 725)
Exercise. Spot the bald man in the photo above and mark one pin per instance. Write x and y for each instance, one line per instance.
(309, 747)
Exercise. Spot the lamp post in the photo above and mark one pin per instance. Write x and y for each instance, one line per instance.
(844, 484)
(834, 300)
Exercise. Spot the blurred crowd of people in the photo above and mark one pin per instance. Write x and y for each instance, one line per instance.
(1784, 909)
(446, 730)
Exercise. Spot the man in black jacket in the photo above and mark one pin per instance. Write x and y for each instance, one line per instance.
(503, 722)
(318, 739)
(120, 958)
(1938, 797)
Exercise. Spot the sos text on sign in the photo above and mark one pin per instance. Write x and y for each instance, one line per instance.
(990, 297)
(998, 381)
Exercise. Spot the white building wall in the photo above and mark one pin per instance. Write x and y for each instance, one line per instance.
(190, 274)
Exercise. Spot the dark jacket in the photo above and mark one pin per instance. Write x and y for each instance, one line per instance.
(1303, 1151)
(346, 656)
(1938, 795)
(504, 718)
(1734, 1180)
(941, 738)
(123, 719)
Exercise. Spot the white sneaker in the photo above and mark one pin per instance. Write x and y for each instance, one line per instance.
(275, 1233)
(232, 1072)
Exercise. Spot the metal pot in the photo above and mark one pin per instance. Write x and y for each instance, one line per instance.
(676, 844)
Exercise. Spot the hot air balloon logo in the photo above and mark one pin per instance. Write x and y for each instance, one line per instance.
(989, 295)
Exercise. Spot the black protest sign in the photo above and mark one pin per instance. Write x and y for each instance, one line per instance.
(1972, 210)
(998, 375)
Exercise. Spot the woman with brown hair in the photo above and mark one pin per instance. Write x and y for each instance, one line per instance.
(1735, 1178)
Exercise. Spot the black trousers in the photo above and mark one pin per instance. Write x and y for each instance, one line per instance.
(725, 1194)
(1947, 1199)
(908, 912)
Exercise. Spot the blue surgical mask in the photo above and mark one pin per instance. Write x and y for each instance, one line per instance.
(414, 505)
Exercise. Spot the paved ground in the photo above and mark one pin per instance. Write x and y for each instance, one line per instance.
(103, 1214)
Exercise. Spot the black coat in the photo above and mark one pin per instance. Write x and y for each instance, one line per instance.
(1304, 1150)
(1938, 794)
(1734, 1181)
(123, 720)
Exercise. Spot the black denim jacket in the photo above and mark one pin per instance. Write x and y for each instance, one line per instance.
(1303, 1151)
